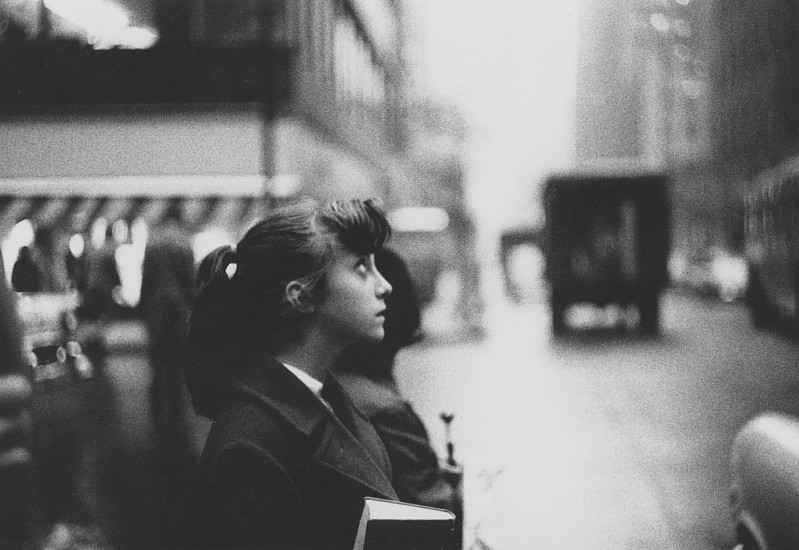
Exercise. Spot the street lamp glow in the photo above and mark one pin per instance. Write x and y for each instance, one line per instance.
(96, 17)
(106, 25)
(419, 218)
(77, 245)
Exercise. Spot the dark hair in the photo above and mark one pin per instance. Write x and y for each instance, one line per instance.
(174, 211)
(249, 310)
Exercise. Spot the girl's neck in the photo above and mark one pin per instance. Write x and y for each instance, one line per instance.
(313, 356)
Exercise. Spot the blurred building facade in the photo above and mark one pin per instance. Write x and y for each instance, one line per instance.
(440, 244)
(309, 92)
(646, 90)
(756, 88)
(705, 89)
(111, 110)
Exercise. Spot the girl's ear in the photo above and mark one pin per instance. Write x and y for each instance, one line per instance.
(299, 297)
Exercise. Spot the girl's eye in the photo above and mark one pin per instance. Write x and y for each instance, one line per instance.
(361, 267)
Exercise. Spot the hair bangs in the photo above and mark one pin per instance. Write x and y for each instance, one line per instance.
(360, 226)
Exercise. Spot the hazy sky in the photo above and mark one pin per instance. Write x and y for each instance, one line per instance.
(509, 65)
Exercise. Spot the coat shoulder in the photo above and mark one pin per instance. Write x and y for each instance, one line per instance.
(369, 396)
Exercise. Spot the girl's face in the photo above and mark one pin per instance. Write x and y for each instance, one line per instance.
(353, 308)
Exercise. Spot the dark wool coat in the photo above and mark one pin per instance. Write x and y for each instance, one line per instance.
(280, 471)
(417, 477)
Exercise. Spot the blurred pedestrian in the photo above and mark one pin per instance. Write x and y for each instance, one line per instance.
(27, 275)
(367, 374)
(17, 511)
(39, 266)
(101, 279)
(167, 293)
(289, 459)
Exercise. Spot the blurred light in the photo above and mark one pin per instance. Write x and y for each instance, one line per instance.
(77, 245)
(129, 261)
(732, 276)
(205, 241)
(684, 2)
(96, 17)
(137, 38)
(106, 25)
(22, 234)
(419, 218)
(139, 233)
(98, 231)
(284, 185)
(120, 231)
(660, 22)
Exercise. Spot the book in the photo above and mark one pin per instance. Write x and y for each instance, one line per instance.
(392, 525)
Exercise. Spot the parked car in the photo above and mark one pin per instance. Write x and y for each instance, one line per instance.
(771, 229)
(712, 271)
(765, 483)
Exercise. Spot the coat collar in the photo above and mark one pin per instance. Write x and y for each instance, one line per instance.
(347, 449)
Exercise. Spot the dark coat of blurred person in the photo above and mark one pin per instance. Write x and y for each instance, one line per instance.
(16, 488)
(100, 279)
(167, 293)
(367, 374)
(27, 275)
(39, 267)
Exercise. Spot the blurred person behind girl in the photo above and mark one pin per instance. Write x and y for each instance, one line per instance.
(167, 292)
(102, 277)
(366, 371)
(289, 459)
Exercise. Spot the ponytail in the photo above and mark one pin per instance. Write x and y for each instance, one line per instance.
(215, 265)
(212, 340)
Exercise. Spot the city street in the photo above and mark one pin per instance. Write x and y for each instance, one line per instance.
(602, 440)
(597, 440)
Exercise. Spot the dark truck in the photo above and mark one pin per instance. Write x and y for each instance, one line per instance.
(607, 241)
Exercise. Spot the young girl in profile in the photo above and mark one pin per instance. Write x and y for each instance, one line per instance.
(288, 460)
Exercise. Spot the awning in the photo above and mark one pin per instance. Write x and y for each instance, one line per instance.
(71, 205)
(77, 214)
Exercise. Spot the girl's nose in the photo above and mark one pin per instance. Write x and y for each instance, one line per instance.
(384, 288)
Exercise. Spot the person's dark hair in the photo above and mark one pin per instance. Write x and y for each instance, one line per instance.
(174, 211)
(249, 309)
(43, 238)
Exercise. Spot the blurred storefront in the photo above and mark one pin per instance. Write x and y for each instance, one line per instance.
(80, 212)
(110, 110)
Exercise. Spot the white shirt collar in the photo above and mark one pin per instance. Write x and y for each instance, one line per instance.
(313, 384)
